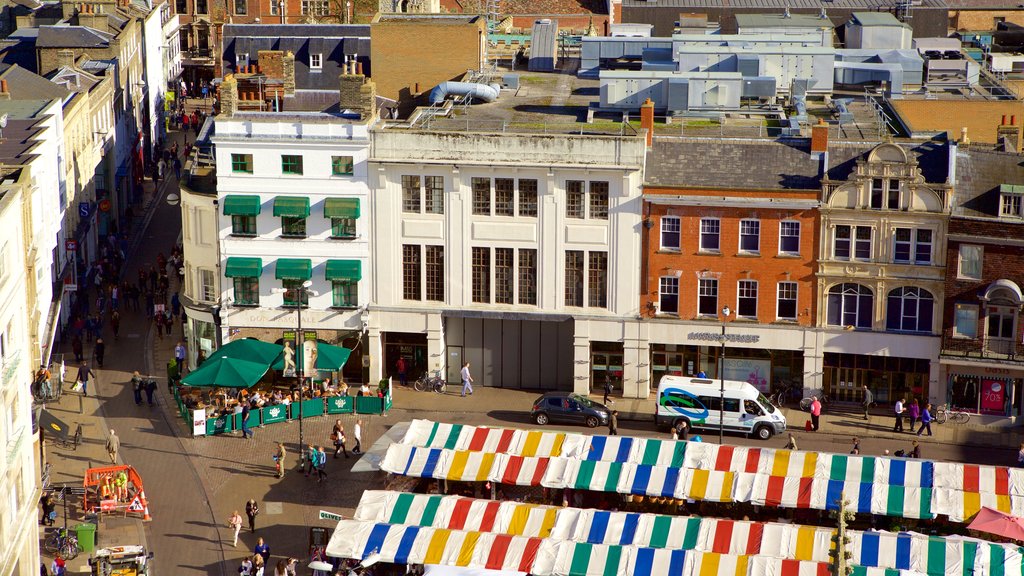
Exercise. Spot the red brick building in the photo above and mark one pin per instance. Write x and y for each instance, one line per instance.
(982, 354)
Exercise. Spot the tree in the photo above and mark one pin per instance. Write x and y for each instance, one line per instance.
(839, 557)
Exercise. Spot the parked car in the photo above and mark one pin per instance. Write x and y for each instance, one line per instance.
(569, 408)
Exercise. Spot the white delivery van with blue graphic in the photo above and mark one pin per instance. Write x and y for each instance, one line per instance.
(699, 402)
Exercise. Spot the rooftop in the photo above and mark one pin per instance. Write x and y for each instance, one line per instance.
(781, 20)
(24, 84)
(981, 118)
(298, 30)
(877, 19)
(815, 5)
(536, 7)
(452, 19)
(18, 137)
(979, 174)
(72, 37)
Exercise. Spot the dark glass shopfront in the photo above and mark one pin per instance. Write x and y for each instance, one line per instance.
(989, 394)
(889, 378)
(767, 370)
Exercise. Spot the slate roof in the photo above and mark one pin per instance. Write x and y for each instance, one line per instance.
(775, 5)
(535, 7)
(24, 84)
(72, 37)
(759, 164)
(979, 173)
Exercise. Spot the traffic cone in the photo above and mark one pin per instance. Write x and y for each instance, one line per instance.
(145, 513)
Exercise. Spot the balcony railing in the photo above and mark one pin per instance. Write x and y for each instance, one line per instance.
(982, 348)
(9, 365)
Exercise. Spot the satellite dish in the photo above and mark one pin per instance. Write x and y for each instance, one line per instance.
(3, 121)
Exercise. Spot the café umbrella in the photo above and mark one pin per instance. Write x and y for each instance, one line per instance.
(249, 349)
(329, 358)
(226, 373)
(998, 523)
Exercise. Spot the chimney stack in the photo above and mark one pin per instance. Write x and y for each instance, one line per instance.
(1008, 135)
(819, 137)
(647, 119)
(229, 95)
(357, 92)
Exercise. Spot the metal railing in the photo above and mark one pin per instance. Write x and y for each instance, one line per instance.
(982, 348)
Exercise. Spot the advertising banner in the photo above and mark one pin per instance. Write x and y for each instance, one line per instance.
(993, 395)
(199, 422)
(755, 371)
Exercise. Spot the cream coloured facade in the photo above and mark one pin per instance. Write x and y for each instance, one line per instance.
(516, 252)
(880, 279)
(19, 532)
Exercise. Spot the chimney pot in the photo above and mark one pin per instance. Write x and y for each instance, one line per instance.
(3, 86)
(647, 119)
(359, 68)
(1003, 122)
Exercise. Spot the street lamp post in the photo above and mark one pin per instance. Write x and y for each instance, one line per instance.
(721, 380)
(303, 293)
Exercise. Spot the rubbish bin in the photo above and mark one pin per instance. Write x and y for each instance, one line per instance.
(86, 534)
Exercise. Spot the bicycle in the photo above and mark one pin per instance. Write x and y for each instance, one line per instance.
(44, 480)
(63, 543)
(434, 383)
(805, 404)
(944, 412)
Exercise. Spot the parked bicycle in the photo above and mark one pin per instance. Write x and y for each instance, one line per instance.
(805, 404)
(786, 392)
(63, 543)
(944, 412)
(431, 382)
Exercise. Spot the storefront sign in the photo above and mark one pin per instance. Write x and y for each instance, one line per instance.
(993, 394)
(716, 337)
(754, 371)
(273, 414)
(199, 422)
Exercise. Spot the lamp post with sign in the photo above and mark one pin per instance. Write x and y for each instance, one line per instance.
(721, 378)
(303, 294)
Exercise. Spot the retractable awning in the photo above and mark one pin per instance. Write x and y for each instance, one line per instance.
(341, 208)
(294, 269)
(291, 206)
(241, 205)
(344, 270)
(238, 267)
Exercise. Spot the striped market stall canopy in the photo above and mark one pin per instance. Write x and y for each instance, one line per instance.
(456, 513)
(896, 487)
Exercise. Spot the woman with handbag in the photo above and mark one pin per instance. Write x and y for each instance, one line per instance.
(338, 437)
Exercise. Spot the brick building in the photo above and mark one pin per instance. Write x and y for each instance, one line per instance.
(982, 355)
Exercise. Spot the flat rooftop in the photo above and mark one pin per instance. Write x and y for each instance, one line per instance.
(781, 20)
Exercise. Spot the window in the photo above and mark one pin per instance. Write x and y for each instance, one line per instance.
(344, 293)
(850, 305)
(599, 200)
(750, 236)
(789, 237)
(293, 227)
(862, 243)
(970, 261)
(923, 247)
(747, 301)
(482, 275)
(411, 272)
(201, 7)
(892, 201)
(909, 309)
(965, 321)
(242, 225)
(504, 279)
(709, 231)
(707, 297)
(291, 164)
(670, 233)
(574, 207)
(241, 7)
(207, 285)
(274, 8)
(504, 197)
(314, 7)
(481, 196)
(181, 7)
(316, 61)
(841, 243)
(1000, 323)
(295, 294)
(241, 163)
(598, 285)
(877, 193)
(668, 295)
(343, 227)
(528, 197)
(786, 308)
(341, 165)
(435, 273)
(433, 188)
(1011, 205)
(411, 194)
(902, 245)
(574, 278)
(528, 276)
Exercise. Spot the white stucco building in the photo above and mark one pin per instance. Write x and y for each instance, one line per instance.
(516, 252)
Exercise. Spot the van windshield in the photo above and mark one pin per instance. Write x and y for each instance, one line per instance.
(765, 403)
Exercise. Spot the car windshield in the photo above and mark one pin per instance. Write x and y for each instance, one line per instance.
(584, 401)
(765, 403)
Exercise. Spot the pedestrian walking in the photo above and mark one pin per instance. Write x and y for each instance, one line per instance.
(608, 387)
(261, 548)
(791, 445)
(613, 423)
(150, 390)
(926, 420)
(320, 463)
(279, 456)
(402, 371)
(76, 347)
(252, 509)
(177, 168)
(179, 355)
(856, 446)
(159, 320)
(914, 410)
(49, 509)
(245, 421)
(115, 322)
(235, 523)
(137, 387)
(467, 380)
(899, 409)
(113, 445)
(815, 413)
(1020, 455)
(682, 430)
(258, 564)
(915, 452)
(245, 569)
(161, 169)
(867, 401)
(98, 351)
(338, 438)
(84, 372)
(357, 433)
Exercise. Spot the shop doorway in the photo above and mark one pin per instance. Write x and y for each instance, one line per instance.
(606, 364)
(888, 378)
(412, 348)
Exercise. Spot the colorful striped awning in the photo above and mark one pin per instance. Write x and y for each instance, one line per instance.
(456, 513)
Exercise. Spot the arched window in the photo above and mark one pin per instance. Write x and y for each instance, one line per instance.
(910, 309)
(850, 305)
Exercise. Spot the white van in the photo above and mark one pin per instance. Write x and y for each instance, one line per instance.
(697, 401)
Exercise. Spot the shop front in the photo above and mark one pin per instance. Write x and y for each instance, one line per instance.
(888, 377)
(606, 360)
(765, 369)
(992, 391)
